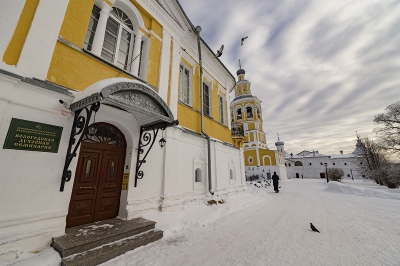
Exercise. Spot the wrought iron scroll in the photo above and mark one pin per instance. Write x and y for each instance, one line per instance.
(80, 125)
(146, 141)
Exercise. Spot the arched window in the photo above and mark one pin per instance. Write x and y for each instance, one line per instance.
(197, 176)
(239, 114)
(249, 112)
(231, 174)
(117, 41)
(298, 163)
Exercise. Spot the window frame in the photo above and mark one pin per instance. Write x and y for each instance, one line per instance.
(121, 27)
(205, 83)
(221, 107)
(92, 29)
(190, 85)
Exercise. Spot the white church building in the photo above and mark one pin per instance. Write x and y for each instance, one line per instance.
(312, 164)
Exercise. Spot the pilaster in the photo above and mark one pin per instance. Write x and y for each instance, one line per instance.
(98, 39)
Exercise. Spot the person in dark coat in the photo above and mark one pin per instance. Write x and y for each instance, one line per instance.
(275, 182)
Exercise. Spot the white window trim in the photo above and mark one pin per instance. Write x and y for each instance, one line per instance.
(250, 159)
(269, 158)
(208, 77)
(190, 84)
(190, 61)
(223, 108)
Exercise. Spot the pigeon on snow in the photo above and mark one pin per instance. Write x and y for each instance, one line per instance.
(313, 228)
(219, 52)
(244, 38)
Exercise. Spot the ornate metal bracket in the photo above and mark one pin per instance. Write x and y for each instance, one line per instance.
(148, 135)
(80, 125)
(146, 139)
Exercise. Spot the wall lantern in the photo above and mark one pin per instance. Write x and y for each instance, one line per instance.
(162, 142)
(92, 129)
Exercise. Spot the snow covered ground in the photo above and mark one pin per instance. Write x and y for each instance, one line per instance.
(359, 224)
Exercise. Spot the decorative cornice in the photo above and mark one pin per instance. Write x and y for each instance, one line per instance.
(167, 20)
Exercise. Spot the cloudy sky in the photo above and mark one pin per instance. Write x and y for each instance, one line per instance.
(321, 68)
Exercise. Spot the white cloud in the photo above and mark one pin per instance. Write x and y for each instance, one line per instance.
(322, 68)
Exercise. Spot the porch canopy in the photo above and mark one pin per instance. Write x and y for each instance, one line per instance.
(130, 95)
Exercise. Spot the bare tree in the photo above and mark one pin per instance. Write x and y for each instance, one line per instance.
(372, 161)
(388, 129)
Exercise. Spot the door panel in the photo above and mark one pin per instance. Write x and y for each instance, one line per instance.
(84, 191)
(109, 185)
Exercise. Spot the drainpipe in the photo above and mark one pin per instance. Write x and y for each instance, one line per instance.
(198, 30)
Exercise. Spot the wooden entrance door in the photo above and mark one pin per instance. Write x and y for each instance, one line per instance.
(98, 179)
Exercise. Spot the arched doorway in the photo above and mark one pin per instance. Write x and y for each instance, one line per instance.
(297, 175)
(98, 178)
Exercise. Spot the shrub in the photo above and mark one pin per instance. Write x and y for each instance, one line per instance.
(335, 174)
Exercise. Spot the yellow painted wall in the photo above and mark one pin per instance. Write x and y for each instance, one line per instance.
(149, 22)
(247, 154)
(270, 153)
(246, 137)
(251, 136)
(76, 70)
(76, 21)
(153, 71)
(156, 27)
(14, 48)
(191, 119)
(251, 126)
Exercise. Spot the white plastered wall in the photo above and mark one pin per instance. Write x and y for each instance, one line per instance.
(32, 208)
(169, 174)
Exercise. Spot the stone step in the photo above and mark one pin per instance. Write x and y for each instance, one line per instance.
(90, 236)
(109, 251)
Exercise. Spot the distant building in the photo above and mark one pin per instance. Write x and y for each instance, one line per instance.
(311, 164)
(247, 131)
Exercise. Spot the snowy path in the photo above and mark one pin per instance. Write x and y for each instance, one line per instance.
(274, 230)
